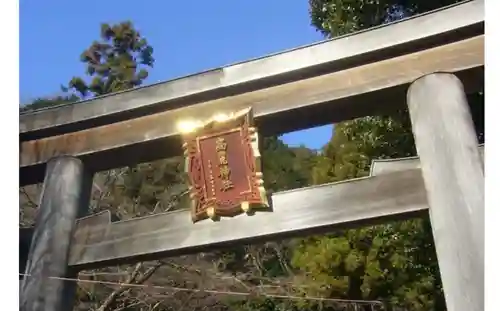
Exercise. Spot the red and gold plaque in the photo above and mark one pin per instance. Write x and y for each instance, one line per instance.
(223, 165)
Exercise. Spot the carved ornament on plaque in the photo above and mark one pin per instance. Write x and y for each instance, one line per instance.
(224, 166)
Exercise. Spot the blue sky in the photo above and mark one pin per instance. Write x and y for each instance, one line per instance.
(187, 37)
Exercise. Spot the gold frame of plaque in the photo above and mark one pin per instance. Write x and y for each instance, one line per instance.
(223, 163)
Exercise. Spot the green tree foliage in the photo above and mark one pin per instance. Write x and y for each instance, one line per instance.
(339, 17)
(117, 62)
(393, 262)
(112, 65)
(284, 167)
(355, 143)
(40, 103)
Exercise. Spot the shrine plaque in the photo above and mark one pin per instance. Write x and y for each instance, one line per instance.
(224, 168)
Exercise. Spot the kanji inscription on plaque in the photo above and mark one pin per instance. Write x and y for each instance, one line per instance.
(224, 168)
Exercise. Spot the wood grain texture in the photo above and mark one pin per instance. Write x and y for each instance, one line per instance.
(379, 167)
(321, 100)
(453, 172)
(65, 196)
(88, 223)
(411, 34)
(297, 212)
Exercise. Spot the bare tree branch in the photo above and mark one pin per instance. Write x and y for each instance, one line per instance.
(112, 297)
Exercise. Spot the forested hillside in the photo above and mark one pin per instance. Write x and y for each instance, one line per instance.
(394, 263)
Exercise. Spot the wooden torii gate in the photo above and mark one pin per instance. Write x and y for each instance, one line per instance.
(430, 62)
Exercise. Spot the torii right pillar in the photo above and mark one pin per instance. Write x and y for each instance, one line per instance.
(453, 174)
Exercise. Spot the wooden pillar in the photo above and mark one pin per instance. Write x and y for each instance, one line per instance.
(64, 198)
(454, 180)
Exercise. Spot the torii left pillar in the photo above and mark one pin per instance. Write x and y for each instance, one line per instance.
(65, 197)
